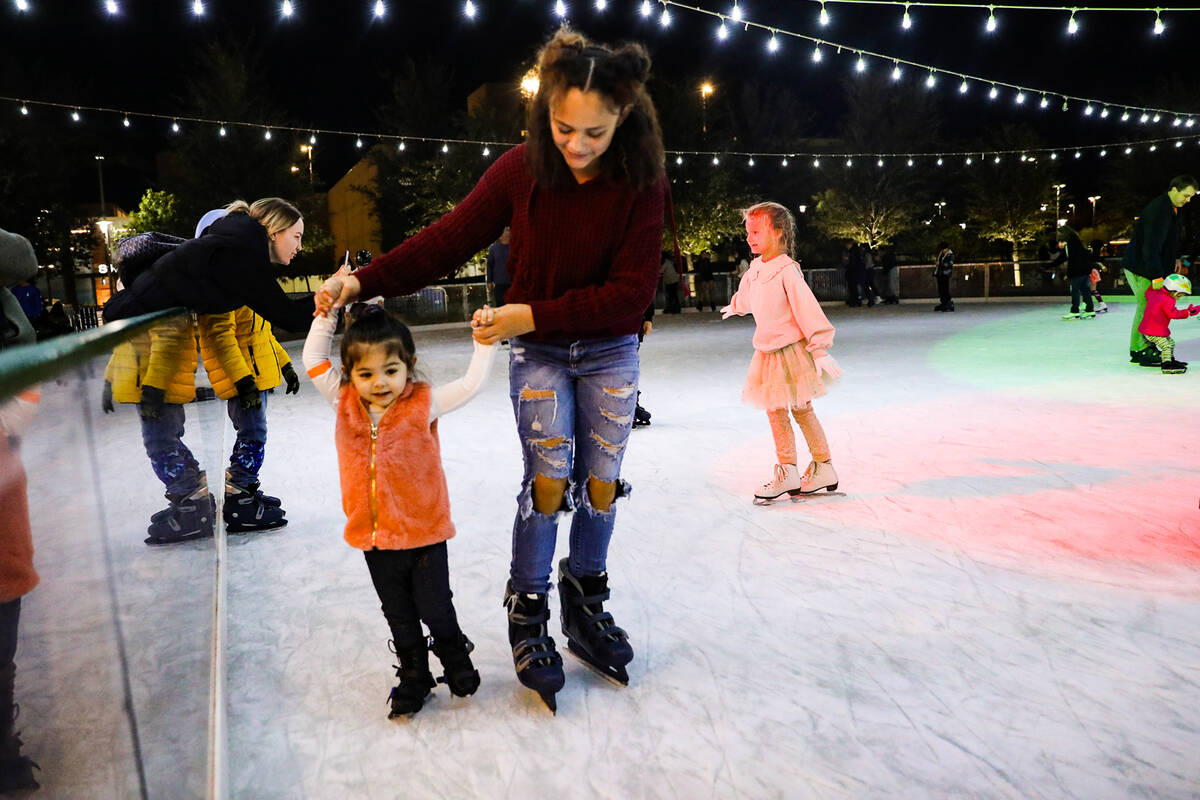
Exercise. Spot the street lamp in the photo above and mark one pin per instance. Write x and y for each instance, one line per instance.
(1071, 211)
(706, 89)
(939, 205)
(100, 170)
(1058, 187)
(530, 84)
(307, 149)
(1092, 199)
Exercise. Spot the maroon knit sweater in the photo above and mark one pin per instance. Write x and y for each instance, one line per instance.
(584, 257)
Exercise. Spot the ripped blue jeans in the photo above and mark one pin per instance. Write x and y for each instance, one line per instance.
(574, 404)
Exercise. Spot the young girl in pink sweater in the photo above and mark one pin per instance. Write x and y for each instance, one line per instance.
(393, 487)
(1160, 310)
(791, 340)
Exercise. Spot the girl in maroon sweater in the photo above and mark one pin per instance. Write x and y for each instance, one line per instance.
(584, 197)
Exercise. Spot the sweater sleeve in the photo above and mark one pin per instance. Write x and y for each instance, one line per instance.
(632, 277)
(315, 357)
(266, 297)
(1154, 241)
(811, 319)
(455, 394)
(448, 243)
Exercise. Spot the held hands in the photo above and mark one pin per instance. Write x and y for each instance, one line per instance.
(491, 325)
(338, 290)
(153, 399)
(293, 380)
(827, 365)
(248, 394)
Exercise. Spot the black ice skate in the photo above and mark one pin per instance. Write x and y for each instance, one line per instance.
(641, 417)
(186, 519)
(1173, 368)
(416, 681)
(592, 636)
(459, 674)
(248, 509)
(16, 770)
(539, 666)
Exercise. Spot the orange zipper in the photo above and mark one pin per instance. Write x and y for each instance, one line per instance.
(374, 509)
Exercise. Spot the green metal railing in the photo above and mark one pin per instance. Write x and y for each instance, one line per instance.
(22, 367)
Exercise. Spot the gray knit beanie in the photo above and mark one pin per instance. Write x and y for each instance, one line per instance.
(17, 260)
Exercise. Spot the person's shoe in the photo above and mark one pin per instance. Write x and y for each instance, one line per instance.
(1101, 308)
(249, 510)
(187, 518)
(939, 308)
(1073, 315)
(1173, 368)
(787, 479)
(1148, 357)
(819, 475)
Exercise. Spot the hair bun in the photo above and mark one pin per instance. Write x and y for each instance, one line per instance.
(634, 61)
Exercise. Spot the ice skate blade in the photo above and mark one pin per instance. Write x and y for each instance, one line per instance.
(155, 541)
(796, 498)
(240, 528)
(618, 676)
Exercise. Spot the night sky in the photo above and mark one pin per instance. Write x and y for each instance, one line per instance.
(329, 63)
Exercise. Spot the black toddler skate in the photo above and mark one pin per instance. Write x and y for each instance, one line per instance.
(641, 417)
(409, 695)
(592, 636)
(459, 674)
(248, 509)
(539, 666)
(186, 519)
(1173, 368)
(16, 770)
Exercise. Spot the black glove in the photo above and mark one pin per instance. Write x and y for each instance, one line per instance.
(293, 380)
(152, 402)
(248, 394)
(106, 399)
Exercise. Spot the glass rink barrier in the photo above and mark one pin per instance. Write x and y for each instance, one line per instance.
(113, 684)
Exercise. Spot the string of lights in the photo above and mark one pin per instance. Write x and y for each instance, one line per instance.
(75, 113)
(1021, 95)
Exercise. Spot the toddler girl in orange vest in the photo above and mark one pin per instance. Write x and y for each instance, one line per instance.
(393, 487)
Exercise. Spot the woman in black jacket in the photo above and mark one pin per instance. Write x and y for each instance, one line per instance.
(229, 266)
(1079, 269)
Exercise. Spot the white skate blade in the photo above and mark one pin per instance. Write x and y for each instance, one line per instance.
(618, 676)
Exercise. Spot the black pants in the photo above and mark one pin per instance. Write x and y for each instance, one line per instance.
(414, 587)
(943, 282)
(671, 301)
(10, 616)
(498, 292)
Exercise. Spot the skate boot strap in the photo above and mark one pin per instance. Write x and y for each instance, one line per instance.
(586, 599)
(529, 620)
(604, 624)
(526, 653)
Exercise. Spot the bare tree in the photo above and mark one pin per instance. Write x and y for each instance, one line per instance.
(1005, 197)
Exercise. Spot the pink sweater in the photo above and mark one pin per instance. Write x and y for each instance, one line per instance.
(1160, 310)
(784, 308)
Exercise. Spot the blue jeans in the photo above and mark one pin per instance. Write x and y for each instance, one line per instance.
(171, 459)
(1081, 286)
(251, 444)
(574, 404)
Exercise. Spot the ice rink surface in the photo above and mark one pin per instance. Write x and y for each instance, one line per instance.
(1002, 600)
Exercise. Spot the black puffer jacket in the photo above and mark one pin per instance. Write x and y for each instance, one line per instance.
(224, 269)
(1077, 255)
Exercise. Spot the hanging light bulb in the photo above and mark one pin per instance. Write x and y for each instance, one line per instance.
(773, 44)
(994, 93)
(1072, 25)
(647, 9)
(784, 162)
(445, 147)
(1088, 110)
(75, 115)
(991, 20)
(312, 139)
(678, 159)
(1020, 98)
(962, 87)
(267, 134)
(286, 9)
(750, 163)
(861, 64)
(380, 8)
(931, 80)
(1104, 113)
(1125, 115)
(970, 161)
(910, 162)
(1103, 153)
(487, 151)
(1179, 144)
(221, 132)
(1143, 119)
(939, 161)
(601, 5)
(1128, 150)
(879, 163)
(996, 160)
(1153, 147)
(560, 8)
(896, 71)
(1157, 117)
(24, 110)
(1190, 122)
(735, 13)
(198, 8)
(402, 146)
(469, 11)
(1176, 122)
(125, 122)
(1078, 154)
(1159, 27)
(22, 5)
(1045, 102)
(906, 20)
(1024, 157)
(1054, 156)
(111, 6)
(849, 162)
(722, 31)
(816, 54)
(823, 17)
(358, 143)
(716, 161)
(665, 19)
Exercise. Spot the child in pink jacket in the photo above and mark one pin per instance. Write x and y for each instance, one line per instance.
(791, 338)
(1160, 310)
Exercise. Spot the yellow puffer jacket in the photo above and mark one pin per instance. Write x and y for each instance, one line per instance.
(165, 357)
(259, 354)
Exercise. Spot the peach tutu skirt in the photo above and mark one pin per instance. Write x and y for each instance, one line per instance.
(783, 378)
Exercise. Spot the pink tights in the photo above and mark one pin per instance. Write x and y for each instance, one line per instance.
(785, 440)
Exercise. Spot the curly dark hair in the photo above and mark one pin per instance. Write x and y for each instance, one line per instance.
(369, 325)
(570, 61)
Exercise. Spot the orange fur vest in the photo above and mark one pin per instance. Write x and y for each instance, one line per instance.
(393, 487)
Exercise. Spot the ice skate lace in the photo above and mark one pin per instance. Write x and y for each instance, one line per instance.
(780, 476)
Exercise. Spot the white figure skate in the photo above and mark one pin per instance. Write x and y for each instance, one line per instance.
(819, 475)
